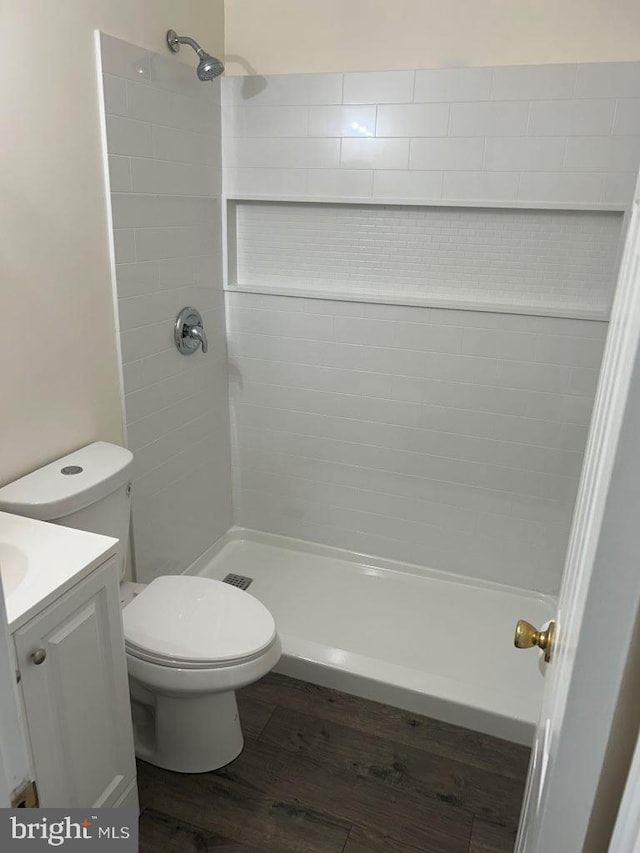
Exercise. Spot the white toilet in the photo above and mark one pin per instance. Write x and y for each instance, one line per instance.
(190, 641)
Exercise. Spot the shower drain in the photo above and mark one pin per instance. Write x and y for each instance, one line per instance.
(241, 581)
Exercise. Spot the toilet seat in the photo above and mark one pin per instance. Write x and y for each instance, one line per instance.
(191, 622)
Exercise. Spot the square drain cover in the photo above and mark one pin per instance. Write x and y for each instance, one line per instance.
(241, 581)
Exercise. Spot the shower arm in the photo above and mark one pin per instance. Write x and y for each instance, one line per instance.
(174, 41)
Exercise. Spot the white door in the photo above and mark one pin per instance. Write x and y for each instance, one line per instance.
(599, 596)
(74, 684)
(626, 834)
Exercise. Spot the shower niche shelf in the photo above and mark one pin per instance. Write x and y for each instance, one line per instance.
(543, 261)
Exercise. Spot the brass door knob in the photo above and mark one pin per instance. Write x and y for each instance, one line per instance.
(527, 637)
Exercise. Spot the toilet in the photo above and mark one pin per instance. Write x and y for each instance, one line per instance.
(190, 641)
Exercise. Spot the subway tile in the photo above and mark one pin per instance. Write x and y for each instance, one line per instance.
(136, 278)
(534, 377)
(233, 120)
(352, 183)
(602, 154)
(566, 188)
(577, 352)
(447, 154)
(280, 323)
(274, 121)
(533, 82)
(497, 344)
(571, 118)
(427, 337)
(608, 80)
(498, 118)
(166, 108)
(265, 181)
(453, 84)
(182, 272)
(627, 117)
(506, 154)
(354, 120)
(137, 211)
(184, 146)
(153, 308)
(152, 368)
(480, 186)
(412, 120)
(364, 383)
(158, 243)
(162, 177)
(360, 330)
(378, 87)
(285, 153)
(124, 245)
(583, 380)
(123, 59)
(119, 174)
(618, 189)
(283, 90)
(125, 136)
(407, 184)
(115, 95)
(178, 77)
(375, 153)
(145, 341)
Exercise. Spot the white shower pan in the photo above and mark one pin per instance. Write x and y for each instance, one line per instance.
(423, 640)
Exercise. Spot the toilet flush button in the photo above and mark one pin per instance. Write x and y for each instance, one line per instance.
(72, 469)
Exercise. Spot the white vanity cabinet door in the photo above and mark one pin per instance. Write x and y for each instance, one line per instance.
(77, 699)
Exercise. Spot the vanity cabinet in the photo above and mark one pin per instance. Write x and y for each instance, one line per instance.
(73, 678)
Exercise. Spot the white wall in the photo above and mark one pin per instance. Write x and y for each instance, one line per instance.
(163, 138)
(447, 438)
(451, 439)
(59, 380)
(293, 36)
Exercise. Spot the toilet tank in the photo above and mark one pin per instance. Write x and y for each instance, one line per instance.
(88, 489)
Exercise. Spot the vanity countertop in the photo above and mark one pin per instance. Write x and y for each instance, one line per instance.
(40, 561)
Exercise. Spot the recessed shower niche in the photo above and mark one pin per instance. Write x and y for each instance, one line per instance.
(543, 261)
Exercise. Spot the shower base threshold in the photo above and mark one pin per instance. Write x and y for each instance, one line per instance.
(427, 641)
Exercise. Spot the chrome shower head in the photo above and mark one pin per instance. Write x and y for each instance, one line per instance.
(208, 68)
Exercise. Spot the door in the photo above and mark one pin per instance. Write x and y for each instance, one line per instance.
(626, 834)
(76, 697)
(599, 595)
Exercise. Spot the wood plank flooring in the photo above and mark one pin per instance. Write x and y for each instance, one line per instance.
(326, 772)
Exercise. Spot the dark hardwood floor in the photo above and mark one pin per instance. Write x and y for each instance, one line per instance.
(325, 772)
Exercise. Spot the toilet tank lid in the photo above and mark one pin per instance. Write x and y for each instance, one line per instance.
(59, 488)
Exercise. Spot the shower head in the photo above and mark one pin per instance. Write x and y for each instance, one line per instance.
(208, 67)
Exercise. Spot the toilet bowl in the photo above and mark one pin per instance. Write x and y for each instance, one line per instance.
(190, 642)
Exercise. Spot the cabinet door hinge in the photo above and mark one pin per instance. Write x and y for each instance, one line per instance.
(26, 797)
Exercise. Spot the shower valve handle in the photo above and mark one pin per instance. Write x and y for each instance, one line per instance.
(188, 332)
(197, 333)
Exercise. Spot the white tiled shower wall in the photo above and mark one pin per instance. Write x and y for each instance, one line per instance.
(448, 438)
(532, 134)
(163, 139)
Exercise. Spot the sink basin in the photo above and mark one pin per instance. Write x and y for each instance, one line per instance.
(41, 561)
(13, 568)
